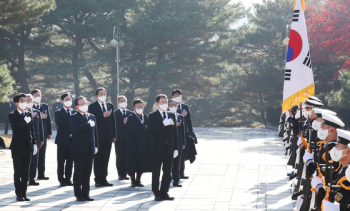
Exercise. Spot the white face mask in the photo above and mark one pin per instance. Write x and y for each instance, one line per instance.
(163, 107)
(84, 108)
(307, 114)
(123, 105)
(73, 96)
(139, 111)
(322, 134)
(178, 99)
(173, 109)
(336, 154)
(30, 105)
(316, 125)
(68, 103)
(22, 105)
(37, 99)
(58, 100)
(102, 99)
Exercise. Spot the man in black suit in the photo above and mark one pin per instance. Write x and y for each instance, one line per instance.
(39, 137)
(121, 146)
(185, 111)
(23, 145)
(56, 106)
(182, 142)
(84, 146)
(164, 146)
(9, 106)
(105, 119)
(64, 140)
(46, 118)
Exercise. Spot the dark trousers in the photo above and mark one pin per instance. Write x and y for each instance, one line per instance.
(165, 158)
(41, 159)
(7, 122)
(64, 163)
(34, 164)
(176, 167)
(182, 162)
(121, 151)
(21, 163)
(82, 173)
(101, 159)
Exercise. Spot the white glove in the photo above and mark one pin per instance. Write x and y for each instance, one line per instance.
(316, 181)
(308, 157)
(167, 122)
(176, 153)
(299, 142)
(96, 150)
(92, 123)
(297, 115)
(329, 206)
(35, 149)
(27, 119)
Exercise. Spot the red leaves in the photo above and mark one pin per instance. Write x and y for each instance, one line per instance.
(329, 28)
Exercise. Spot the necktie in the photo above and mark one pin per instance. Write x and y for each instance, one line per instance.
(103, 107)
(123, 113)
(164, 115)
(84, 116)
(68, 112)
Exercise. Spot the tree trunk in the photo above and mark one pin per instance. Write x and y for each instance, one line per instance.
(25, 32)
(75, 67)
(262, 111)
(91, 79)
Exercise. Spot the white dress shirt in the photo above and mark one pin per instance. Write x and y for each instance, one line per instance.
(161, 113)
(104, 104)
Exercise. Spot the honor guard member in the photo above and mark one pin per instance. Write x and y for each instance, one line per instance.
(39, 137)
(64, 140)
(106, 130)
(339, 197)
(164, 147)
(46, 118)
(84, 146)
(121, 146)
(184, 110)
(328, 133)
(23, 145)
(9, 107)
(56, 106)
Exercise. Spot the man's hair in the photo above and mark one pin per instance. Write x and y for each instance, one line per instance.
(172, 100)
(18, 96)
(122, 96)
(79, 98)
(99, 89)
(176, 91)
(137, 101)
(29, 95)
(65, 95)
(35, 91)
(160, 96)
(10, 96)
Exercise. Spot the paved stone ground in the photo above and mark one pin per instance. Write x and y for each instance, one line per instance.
(236, 169)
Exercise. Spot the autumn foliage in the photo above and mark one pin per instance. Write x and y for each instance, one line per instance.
(329, 27)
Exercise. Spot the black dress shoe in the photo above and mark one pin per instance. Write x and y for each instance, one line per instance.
(63, 183)
(97, 184)
(120, 178)
(69, 183)
(25, 197)
(43, 178)
(177, 185)
(290, 173)
(32, 182)
(19, 198)
(184, 177)
(167, 197)
(296, 195)
(133, 183)
(126, 178)
(157, 198)
(139, 184)
(80, 199)
(106, 184)
(88, 198)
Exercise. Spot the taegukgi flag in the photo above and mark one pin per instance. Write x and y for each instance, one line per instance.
(298, 77)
